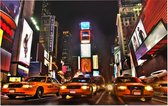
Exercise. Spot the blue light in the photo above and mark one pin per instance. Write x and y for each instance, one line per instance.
(85, 25)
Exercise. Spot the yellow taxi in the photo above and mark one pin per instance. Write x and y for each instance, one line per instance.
(33, 86)
(126, 87)
(78, 87)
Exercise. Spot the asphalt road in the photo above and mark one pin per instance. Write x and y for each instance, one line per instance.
(101, 98)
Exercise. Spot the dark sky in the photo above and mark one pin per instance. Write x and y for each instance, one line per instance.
(101, 14)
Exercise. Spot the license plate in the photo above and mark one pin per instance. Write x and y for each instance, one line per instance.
(72, 91)
(137, 93)
(12, 91)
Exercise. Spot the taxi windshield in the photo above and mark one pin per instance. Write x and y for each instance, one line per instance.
(81, 80)
(127, 80)
(36, 79)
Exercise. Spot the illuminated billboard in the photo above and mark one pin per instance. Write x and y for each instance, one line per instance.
(85, 50)
(22, 71)
(85, 36)
(12, 8)
(138, 36)
(86, 65)
(85, 25)
(25, 43)
(96, 73)
(95, 62)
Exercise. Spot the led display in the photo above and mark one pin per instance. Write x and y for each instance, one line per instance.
(96, 73)
(25, 44)
(95, 61)
(86, 65)
(85, 36)
(85, 50)
(85, 25)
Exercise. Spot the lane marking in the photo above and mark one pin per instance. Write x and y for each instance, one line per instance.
(159, 100)
(100, 97)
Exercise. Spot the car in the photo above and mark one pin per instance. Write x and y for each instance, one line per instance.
(78, 86)
(126, 87)
(160, 88)
(100, 82)
(32, 86)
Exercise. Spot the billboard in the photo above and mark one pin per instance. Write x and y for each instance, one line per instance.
(12, 8)
(95, 62)
(85, 36)
(25, 43)
(22, 71)
(86, 65)
(96, 73)
(85, 25)
(85, 50)
(139, 35)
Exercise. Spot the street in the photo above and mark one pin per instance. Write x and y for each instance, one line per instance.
(101, 98)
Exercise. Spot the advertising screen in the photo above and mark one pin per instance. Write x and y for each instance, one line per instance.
(15, 79)
(85, 36)
(85, 50)
(25, 44)
(22, 71)
(140, 32)
(86, 65)
(12, 8)
(85, 25)
(96, 73)
(95, 62)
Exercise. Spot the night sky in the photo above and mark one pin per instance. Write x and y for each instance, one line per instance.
(102, 16)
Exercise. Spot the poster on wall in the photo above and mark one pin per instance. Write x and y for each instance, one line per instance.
(86, 65)
(25, 43)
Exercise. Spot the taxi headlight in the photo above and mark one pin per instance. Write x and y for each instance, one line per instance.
(27, 86)
(84, 87)
(63, 87)
(5, 86)
(122, 87)
(148, 88)
(109, 87)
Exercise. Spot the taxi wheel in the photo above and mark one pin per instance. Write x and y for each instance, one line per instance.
(11, 96)
(148, 99)
(63, 96)
(39, 93)
(58, 94)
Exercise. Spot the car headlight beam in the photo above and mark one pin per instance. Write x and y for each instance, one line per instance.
(84, 87)
(63, 87)
(109, 87)
(5, 86)
(148, 88)
(27, 86)
(122, 87)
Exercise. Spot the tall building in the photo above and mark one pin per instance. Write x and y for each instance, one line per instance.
(129, 10)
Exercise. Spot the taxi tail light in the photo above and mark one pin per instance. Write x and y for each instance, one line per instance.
(85, 87)
(148, 88)
(122, 87)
